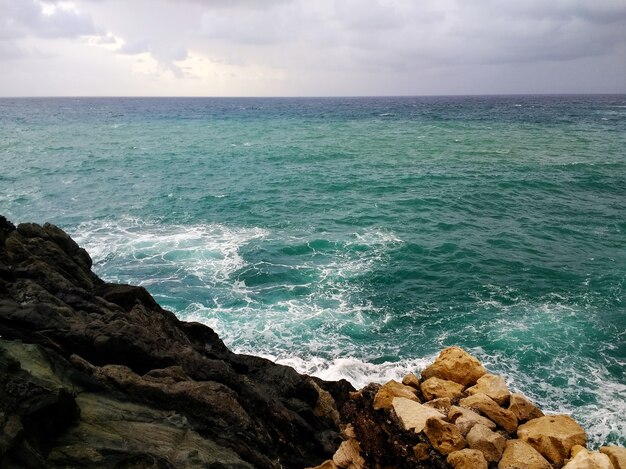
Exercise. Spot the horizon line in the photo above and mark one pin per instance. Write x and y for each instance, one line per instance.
(305, 96)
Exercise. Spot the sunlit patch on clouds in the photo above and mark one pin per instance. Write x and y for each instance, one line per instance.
(298, 47)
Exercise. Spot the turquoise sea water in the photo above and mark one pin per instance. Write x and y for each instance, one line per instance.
(356, 237)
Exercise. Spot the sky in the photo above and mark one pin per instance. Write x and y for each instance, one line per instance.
(311, 47)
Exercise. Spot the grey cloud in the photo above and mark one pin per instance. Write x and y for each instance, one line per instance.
(237, 4)
(20, 18)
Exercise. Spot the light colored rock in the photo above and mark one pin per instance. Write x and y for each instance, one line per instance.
(434, 388)
(455, 364)
(523, 409)
(411, 380)
(467, 459)
(520, 455)
(445, 437)
(326, 405)
(465, 419)
(617, 455)
(493, 386)
(553, 436)
(584, 459)
(391, 390)
(348, 456)
(486, 406)
(491, 444)
(443, 404)
(413, 415)
(348, 431)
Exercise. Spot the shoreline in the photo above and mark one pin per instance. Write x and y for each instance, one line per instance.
(99, 374)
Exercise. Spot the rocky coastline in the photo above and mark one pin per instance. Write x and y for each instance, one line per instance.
(95, 374)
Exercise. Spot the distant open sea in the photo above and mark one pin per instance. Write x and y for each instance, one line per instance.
(354, 238)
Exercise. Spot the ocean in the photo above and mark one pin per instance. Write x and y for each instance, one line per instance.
(356, 237)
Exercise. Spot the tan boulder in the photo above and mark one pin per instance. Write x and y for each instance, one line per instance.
(435, 388)
(326, 405)
(490, 443)
(520, 455)
(486, 406)
(493, 386)
(523, 409)
(553, 436)
(413, 415)
(465, 419)
(348, 456)
(455, 364)
(584, 459)
(391, 390)
(411, 380)
(467, 459)
(617, 455)
(443, 404)
(445, 437)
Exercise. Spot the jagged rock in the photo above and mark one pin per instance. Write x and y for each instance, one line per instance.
(584, 459)
(465, 419)
(489, 408)
(445, 437)
(434, 388)
(411, 380)
(348, 455)
(491, 444)
(413, 415)
(389, 391)
(442, 404)
(493, 386)
(617, 455)
(523, 409)
(520, 455)
(116, 344)
(326, 406)
(553, 436)
(455, 364)
(467, 459)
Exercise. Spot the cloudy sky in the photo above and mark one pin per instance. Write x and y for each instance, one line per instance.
(311, 47)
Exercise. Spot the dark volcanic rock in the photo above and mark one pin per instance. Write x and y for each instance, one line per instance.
(385, 443)
(99, 375)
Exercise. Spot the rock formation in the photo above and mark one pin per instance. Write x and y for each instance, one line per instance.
(94, 374)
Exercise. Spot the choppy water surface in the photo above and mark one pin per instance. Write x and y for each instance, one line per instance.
(356, 237)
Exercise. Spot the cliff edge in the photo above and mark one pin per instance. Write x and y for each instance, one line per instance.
(94, 374)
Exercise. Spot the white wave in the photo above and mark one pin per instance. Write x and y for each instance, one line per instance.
(209, 252)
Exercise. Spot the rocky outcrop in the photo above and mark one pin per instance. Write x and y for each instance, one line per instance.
(94, 374)
(472, 427)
